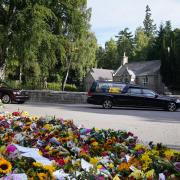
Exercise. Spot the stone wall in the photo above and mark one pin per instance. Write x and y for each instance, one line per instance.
(48, 96)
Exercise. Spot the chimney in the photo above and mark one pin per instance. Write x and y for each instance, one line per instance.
(125, 59)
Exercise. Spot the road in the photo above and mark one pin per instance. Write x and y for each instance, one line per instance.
(148, 125)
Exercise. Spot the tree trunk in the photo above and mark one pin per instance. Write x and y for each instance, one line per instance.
(20, 75)
(67, 74)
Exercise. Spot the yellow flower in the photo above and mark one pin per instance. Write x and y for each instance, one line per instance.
(37, 164)
(146, 161)
(67, 159)
(47, 147)
(111, 165)
(99, 166)
(2, 149)
(40, 153)
(137, 174)
(5, 166)
(25, 113)
(42, 176)
(48, 127)
(153, 152)
(169, 153)
(94, 160)
(34, 118)
(139, 146)
(150, 173)
(95, 143)
(49, 168)
(96, 129)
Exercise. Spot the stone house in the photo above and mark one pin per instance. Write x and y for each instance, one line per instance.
(145, 73)
(97, 75)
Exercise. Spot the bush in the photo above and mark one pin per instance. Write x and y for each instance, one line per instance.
(71, 87)
(50, 85)
(53, 86)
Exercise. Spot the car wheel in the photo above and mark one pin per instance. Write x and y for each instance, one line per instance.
(107, 104)
(171, 106)
(6, 99)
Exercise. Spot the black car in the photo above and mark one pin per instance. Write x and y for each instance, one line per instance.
(8, 94)
(110, 94)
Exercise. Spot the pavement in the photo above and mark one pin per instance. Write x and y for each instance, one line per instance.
(149, 125)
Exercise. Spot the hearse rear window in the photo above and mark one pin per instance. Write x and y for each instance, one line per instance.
(109, 87)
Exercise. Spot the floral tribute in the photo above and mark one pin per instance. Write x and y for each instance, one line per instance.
(47, 148)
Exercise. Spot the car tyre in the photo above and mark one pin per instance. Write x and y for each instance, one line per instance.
(6, 99)
(107, 104)
(171, 106)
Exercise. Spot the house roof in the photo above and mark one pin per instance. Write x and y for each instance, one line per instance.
(141, 68)
(101, 74)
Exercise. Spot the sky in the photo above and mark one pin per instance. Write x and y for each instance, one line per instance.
(111, 16)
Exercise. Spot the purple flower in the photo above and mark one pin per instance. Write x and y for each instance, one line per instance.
(177, 166)
(10, 148)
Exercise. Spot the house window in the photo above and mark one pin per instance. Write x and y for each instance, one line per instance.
(145, 82)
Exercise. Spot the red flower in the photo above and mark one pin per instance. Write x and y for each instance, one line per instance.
(16, 113)
(60, 162)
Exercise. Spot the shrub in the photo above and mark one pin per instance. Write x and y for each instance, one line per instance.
(71, 87)
(53, 86)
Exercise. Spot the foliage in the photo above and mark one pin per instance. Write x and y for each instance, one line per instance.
(38, 37)
(71, 87)
(108, 58)
(149, 27)
(141, 44)
(170, 54)
(125, 43)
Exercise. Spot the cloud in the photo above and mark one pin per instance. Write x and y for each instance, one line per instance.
(118, 14)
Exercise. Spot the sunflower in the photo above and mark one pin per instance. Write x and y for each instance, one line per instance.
(5, 166)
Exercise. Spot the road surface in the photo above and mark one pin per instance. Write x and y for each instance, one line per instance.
(148, 125)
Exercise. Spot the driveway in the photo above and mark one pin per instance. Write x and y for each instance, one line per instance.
(148, 125)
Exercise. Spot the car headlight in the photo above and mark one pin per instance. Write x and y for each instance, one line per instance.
(177, 100)
(16, 92)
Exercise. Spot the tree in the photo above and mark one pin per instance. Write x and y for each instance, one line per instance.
(100, 57)
(44, 35)
(141, 44)
(149, 27)
(170, 54)
(125, 43)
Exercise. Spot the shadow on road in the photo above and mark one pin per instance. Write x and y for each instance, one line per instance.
(152, 115)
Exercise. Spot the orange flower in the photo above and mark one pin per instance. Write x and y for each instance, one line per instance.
(133, 161)
(109, 141)
(123, 166)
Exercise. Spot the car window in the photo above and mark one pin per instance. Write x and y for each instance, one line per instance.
(148, 93)
(134, 91)
(109, 87)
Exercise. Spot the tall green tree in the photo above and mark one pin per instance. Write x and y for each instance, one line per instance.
(149, 27)
(125, 43)
(111, 56)
(107, 58)
(141, 44)
(170, 53)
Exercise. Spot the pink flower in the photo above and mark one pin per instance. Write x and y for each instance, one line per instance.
(10, 148)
